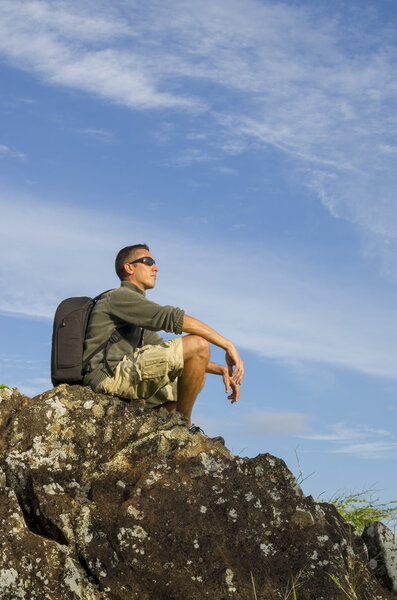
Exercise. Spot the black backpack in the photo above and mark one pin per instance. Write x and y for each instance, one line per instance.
(70, 326)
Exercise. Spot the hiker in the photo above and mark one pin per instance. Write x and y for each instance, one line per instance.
(137, 363)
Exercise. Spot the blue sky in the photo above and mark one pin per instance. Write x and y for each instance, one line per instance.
(253, 146)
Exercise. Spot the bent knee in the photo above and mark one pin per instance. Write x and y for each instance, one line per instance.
(195, 346)
(204, 349)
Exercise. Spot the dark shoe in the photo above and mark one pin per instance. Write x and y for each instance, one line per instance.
(197, 429)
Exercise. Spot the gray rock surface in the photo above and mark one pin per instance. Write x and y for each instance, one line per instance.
(103, 500)
(382, 552)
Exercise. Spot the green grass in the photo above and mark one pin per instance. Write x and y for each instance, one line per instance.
(294, 591)
(358, 508)
(354, 597)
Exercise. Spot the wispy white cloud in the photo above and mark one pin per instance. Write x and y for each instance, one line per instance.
(316, 84)
(164, 132)
(289, 79)
(99, 134)
(285, 311)
(196, 136)
(78, 46)
(227, 171)
(6, 151)
(70, 20)
(376, 450)
(189, 157)
(20, 362)
(340, 432)
(361, 441)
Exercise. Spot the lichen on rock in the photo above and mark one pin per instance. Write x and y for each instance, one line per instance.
(101, 499)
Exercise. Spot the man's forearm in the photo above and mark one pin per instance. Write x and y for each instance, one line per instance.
(215, 369)
(196, 327)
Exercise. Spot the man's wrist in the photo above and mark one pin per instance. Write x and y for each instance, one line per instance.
(228, 346)
(223, 371)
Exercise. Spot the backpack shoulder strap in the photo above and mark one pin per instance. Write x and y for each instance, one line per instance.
(115, 337)
(102, 294)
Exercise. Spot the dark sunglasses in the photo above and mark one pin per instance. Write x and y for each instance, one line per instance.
(146, 260)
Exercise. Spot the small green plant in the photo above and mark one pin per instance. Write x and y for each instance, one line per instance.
(359, 508)
(294, 591)
(290, 592)
(3, 385)
(351, 597)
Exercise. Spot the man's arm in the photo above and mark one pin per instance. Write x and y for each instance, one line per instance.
(230, 384)
(151, 338)
(233, 359)
(215, 369)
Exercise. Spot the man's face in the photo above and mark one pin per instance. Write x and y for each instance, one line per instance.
(144, 276)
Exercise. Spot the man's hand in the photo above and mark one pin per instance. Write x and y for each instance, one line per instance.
(231, 384)
(233, 359)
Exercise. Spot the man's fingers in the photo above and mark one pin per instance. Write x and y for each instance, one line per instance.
(235, 367)
(239, 367)
(240, 373)
(234, 396)
(237, 376)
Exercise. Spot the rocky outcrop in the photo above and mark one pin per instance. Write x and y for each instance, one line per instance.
(103, 500)
(382, 551)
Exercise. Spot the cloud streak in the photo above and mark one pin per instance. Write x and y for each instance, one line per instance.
(342, 433)
(97, 134)
(375, 450)
(322, 321)
(360, 441)
(6, 151)
(78, 46)
(317, 86)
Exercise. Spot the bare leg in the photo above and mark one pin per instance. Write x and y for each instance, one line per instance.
(196, 354)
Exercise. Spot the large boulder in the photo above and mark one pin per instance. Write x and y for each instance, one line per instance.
(104, 500)
(382, 551)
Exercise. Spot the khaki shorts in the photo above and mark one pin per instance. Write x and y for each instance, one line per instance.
(148, 374)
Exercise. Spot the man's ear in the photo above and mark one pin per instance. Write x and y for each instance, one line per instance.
(129, 269)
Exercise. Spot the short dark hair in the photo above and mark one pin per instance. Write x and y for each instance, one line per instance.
(124, 256)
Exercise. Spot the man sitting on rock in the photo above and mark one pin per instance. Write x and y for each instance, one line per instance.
(137, 363)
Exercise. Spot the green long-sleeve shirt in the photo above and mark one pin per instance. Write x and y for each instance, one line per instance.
(128, 308)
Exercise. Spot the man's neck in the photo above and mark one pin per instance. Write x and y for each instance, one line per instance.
(126, 282)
